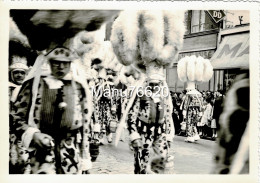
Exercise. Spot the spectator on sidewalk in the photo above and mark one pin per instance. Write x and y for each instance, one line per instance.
(217, 109)
(206, 117)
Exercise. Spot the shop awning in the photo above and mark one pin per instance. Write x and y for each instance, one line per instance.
(233, 52)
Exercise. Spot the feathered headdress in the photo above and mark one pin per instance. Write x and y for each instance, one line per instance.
(19, 45)
(87, 43)
(148, 39)
(49, 28)
(194, 69)
(18, 63)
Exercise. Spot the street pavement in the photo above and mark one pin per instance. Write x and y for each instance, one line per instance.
(189, 158)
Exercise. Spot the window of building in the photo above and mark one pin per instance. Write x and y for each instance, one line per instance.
(200, 21)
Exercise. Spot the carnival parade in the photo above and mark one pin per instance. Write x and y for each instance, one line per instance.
(117, 92)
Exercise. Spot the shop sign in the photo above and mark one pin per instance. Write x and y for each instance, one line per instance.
(216, 15)
(205, 54)
(233, 51)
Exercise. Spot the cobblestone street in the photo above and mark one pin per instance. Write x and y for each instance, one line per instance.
(189, 158)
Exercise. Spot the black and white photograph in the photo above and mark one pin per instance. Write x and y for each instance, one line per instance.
(125, 91)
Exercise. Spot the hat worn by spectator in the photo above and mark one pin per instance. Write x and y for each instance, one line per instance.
(61, 54)
(18, 63)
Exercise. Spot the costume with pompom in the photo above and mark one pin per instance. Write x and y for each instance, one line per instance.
(94, 53)
(149, 41)
(191, 70)
(59, 108)
(106, 102)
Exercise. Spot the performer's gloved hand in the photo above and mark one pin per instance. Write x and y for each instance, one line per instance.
(113, 110)
(43, 140)
(95, 137)
(137, 144)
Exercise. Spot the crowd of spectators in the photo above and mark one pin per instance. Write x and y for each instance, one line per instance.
(212, 103)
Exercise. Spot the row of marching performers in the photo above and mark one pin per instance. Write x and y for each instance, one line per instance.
(57, 123)
(206, 122)
(52, 129)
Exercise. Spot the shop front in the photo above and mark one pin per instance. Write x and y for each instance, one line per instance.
(231, 58)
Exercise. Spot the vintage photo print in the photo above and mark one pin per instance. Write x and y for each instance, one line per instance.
(98, 88)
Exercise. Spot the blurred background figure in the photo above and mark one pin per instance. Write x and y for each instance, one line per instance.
(206, 117)
(217, 110)
(232, 151)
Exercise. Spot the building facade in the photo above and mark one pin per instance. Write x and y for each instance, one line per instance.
(200, 39)
(219, 42)
(225, 44)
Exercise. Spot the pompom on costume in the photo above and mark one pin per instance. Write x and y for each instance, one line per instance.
(191, 70)
(60, 108)
(149, 41)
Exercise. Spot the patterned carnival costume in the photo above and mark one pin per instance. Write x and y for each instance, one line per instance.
(129, 76)
(107, 66)
(149, 41)
(191, 70)
(59, 109)
(18, 156)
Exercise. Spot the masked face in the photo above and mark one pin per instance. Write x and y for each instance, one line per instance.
(59, 69)
(154, 84)
(111, 75)
(18, 76)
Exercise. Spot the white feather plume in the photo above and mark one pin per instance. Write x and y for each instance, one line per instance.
(124, 36)
(208, 70)
(199, 69)
(182, 69)
(173, 33)
(191, 68)
(143, 37)
(151, 35)
(15, 33)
